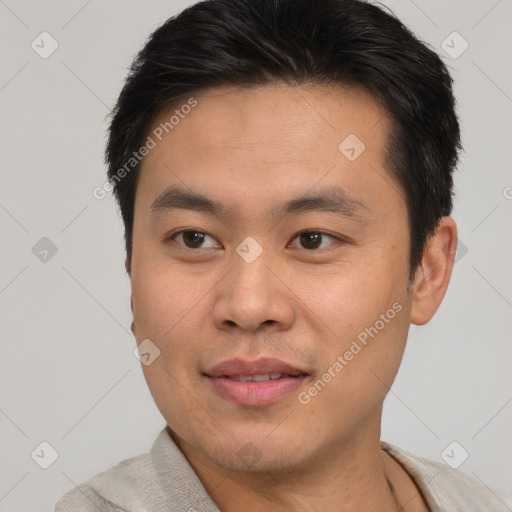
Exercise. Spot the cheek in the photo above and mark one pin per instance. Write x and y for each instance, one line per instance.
(370, 321)
(357, 374)
(165, 301)
(365, 316)
(167, 310)
(171, 308)
(350, 296)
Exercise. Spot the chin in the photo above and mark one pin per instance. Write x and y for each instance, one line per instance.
(250, 455)
(262, 463)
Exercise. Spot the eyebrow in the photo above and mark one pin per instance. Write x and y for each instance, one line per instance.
(330, 199)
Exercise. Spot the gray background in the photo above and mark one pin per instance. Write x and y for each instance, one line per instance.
(68, 372)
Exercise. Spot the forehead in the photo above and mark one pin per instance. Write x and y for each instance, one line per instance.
(294, 116)
(274, 136)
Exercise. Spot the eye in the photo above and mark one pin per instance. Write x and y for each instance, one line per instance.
(192, 239)
(313, 240)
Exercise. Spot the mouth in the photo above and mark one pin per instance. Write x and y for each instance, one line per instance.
(255, 383)
(262, 377)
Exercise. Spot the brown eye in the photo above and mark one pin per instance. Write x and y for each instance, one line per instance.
(312, 240)
(192, 239)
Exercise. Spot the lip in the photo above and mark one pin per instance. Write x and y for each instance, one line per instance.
(259, 366)
(255, 394)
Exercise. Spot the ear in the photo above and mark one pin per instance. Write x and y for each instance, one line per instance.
(132, 327)
(127, 266)
(434, 272)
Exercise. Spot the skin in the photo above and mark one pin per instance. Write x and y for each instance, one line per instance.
(251, 149)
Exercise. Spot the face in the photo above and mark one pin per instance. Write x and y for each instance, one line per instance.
(270, 273)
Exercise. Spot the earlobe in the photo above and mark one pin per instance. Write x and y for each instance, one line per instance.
(127, 266)
(132, 327)
(433, 274)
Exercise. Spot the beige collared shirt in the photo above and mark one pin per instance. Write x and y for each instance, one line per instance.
(163, 481)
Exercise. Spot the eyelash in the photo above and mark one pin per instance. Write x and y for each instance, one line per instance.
(174, 235)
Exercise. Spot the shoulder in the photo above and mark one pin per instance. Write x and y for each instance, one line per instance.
(84, 499)
(159, 480)
(109, 490)
(445, 488)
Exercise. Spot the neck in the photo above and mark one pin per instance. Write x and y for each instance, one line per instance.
(350, 475)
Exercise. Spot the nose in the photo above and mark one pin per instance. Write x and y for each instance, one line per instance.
(252, 296)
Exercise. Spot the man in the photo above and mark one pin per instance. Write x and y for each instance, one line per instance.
(284, 173)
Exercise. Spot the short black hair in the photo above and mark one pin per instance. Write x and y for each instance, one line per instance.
(257, 42)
